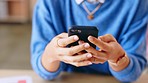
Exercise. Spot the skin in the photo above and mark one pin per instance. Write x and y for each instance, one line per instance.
(56, 51)
(110, 50)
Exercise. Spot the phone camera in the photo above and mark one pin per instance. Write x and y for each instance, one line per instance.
(75, 31)
(79, 31)
(72, 30)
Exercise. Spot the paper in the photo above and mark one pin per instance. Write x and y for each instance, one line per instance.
(18, 79)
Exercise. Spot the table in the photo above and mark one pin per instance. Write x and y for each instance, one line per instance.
(68, 77)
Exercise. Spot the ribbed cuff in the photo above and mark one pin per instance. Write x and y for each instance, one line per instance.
(49, 75)
(126, 74)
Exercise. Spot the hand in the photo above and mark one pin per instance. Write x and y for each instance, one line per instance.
(57, 51)
(110, 49)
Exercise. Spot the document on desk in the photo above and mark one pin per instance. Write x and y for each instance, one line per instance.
(17, 79)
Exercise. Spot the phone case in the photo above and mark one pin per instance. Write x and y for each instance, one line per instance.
(83, 32)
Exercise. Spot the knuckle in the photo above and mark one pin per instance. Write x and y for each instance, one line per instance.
(103, 45)
(63, 43)
(72, 60)
(56, 39)
(75, 60)
(100, 36)
(59, 35)
(109, 35)
(66, 61)
(62, 33)
(83, 57)
(70, 52)
(87, 56)
(81, 46)
(60, 42)
(77, 65)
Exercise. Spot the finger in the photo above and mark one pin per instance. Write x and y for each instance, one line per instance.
(65, 41)
(97, 54)
(82, 63)
(102, 45)
(97, 61)
(107, 38)
(77, 58)
(73, 50)
(79, 53)
(82, 52)
(62, 35)
(81, 42)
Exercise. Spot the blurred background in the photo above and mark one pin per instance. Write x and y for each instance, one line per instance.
(15, 33)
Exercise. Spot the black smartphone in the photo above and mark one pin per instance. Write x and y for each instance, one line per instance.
(83, 32)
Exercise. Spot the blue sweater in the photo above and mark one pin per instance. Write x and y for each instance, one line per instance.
(125, 19)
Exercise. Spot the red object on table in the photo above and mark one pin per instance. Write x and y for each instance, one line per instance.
(22, 81)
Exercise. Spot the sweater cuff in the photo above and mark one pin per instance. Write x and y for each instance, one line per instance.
(123, 74)
(49, 75)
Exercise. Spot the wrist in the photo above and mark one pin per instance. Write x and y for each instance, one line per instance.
(120, 64)
(49, 58)
(49, 54)
(50, 64)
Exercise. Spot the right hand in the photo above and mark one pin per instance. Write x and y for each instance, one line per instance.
(57, 51)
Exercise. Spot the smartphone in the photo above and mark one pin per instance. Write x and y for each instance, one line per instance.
(83, 32)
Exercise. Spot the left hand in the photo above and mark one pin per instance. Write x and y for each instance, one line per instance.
(110, 49)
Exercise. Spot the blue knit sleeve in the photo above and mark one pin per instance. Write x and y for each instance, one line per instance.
(133, 41)
(42, 33)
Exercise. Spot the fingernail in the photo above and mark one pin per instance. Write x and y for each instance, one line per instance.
(90, 38)
(76, 38)
(89, 55)
(81, 42)
(90, 63)
(86, 45)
